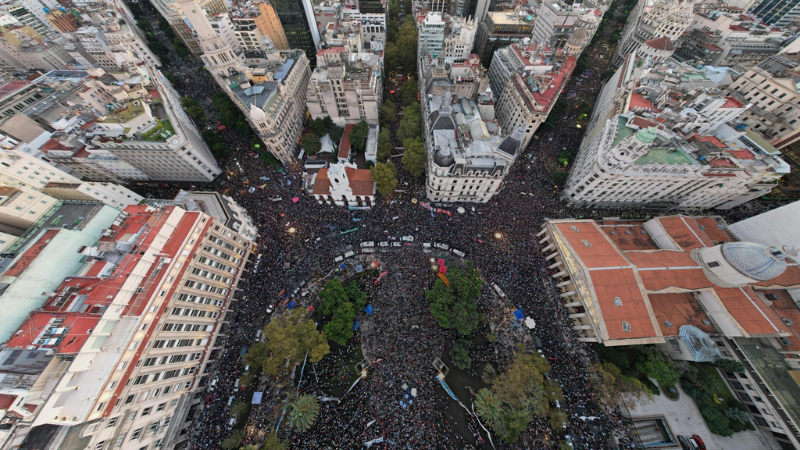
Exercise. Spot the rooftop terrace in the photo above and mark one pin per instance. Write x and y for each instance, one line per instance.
(659, 155)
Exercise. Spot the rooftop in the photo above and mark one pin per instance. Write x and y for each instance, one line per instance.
(658, 155)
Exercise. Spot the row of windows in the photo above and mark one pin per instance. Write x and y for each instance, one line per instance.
(170, 343)
(211, 276)
(221, 254)
(156, 361)
(201, 300)
(161, 376)
(205, 287)
(193, 313)
(216, 264)
(186, 327)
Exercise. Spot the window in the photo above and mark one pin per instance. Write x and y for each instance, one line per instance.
(153, 427)
(136, 433)
(112, 422)
(161, 406)
(713, 264)
(100, 445)
(167, 421)
(129, 400)
(146, 411)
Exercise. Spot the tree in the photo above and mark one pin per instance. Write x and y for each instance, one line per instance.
(238, 409)
(332, 295)
(288, 337)
(304, 412)
(385, 145)
(356, 296)
(320, 127)
(489, 374)
(234, 440)
(273, 443)
(358, 136)
(657, 366)
(455, 306)
(414, 156)
(388, 113)
(336, 132)
(738, 415)
(410, 123)
(729, 365)
(409, 91)
(407, 46)
(487, 406)
(557, 419)
(612, 386)
(220, 150)
(311, 143)
(718, 423)
(460, 354)
(385, 175)
(708, 381)
(340, 328)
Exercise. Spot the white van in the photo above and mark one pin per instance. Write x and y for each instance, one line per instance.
(368, 244)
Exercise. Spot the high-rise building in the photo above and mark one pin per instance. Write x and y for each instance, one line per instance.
(431, 35)
(134, 324)
(468, 154)
(170, 10)
(462, 79)
(777, 12)
(557, 22)
(526, 82)
(649, 20)
(299, 24)
(501, 29)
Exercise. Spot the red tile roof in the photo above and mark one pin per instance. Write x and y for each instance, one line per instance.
(27, 258)
(600, 253)
(750, 311)
(344, 146)
(731, 102)
(679, 309)
(639, 103)
(685, 232)
(661, 44)
(12, 86)
(322, 184)
(622, 284)
(361, 181)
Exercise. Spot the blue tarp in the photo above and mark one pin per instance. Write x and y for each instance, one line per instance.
(356, 326)
(291, 305)
(359, 268)
(257, 398)
(369, 309)
(342, 266)
(519, 314)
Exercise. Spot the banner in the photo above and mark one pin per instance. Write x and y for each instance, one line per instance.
(443, 277)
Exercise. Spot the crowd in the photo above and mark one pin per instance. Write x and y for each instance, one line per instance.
(400, 339)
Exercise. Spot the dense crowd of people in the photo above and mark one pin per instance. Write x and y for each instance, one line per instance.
(400, 338)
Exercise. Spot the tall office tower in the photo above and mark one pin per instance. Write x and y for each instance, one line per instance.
(170, 10)
(654, 19)
(371, 7)
(431, 34)
(557, 22)
(475, 9)
(135, 323)
(777, 12)
(299, 24)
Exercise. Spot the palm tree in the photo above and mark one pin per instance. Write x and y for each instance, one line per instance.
(304, 412)
(709, 382)
(487, 405)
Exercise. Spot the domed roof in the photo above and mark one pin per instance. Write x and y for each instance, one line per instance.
(443, 157)
(647, 135)
(661, 43)
(757, 261)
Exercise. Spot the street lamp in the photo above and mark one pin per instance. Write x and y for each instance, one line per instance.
(498, 235)
(291, 230)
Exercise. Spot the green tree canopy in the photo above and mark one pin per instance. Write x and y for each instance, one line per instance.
(336, 133)
(409, 91)
(385, 145)
(656, 365)
(340, 327)
(311, 143)
(332, 295)
(612, 386)
(385, 175)
(414, 158)
(234, 440)
(455, 306)
(273, 443)
(729, 365)
(287, 338)
(410, 123)
(358, 136)
(460, 354)
(356, 296)
(388, 113)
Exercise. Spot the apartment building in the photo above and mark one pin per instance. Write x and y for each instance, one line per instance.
(430, 34)
(345, 86)
(772, 87)
(159, 148)
(23, 48)
(21, 207)
(462, 79)
(526, 81)
(557, 22)
(649, 20)
(726, 39)
(468, 155)
(459, 38)
(135, 328)
(174, 13)
(777, 13)
(257, 27)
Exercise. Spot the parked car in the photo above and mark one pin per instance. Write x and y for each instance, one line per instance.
(685, 445)
(698, 443)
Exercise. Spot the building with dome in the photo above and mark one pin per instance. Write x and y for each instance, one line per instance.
(468, 154)
(692, 288)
